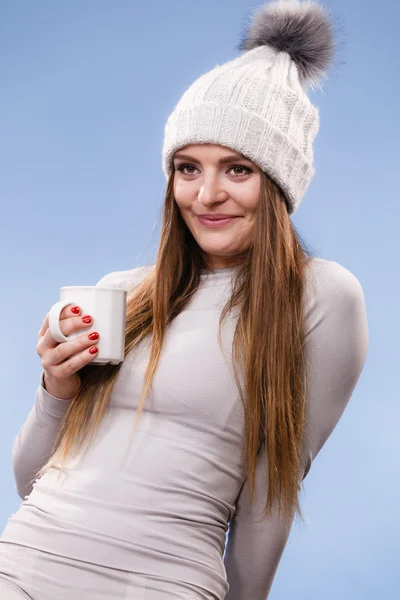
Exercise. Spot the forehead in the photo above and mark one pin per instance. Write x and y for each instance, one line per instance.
(210, 152)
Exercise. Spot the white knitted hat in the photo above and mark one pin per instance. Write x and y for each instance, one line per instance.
(256, 104)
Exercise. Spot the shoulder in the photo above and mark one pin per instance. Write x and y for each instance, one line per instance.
(126, 280)
(329, 276)
(331, 287)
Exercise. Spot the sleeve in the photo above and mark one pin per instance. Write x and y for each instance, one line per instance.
(336, 349)
(35, 440)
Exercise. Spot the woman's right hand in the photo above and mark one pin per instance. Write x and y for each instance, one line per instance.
(60, 371)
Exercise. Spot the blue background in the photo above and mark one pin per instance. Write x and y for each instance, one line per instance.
(85, 91)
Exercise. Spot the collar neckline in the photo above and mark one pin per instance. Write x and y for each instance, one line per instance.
(219, 273)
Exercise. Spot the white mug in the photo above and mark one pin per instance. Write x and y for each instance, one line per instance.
(107, 307)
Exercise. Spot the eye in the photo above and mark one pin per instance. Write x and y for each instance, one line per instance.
(246, 169)
(184, 166)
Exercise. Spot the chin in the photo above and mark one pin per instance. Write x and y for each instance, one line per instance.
(219, 253)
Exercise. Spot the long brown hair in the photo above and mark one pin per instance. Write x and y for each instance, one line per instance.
(268, 343)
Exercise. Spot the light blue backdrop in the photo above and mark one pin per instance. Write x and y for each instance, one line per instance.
(85, 90)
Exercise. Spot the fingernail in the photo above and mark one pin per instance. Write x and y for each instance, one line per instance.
(93, 350)
(86, 319)
(76, 310)
(93, 336)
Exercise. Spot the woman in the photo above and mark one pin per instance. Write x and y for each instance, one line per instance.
(242, 352)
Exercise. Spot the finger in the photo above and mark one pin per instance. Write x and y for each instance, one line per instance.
(72, 365)
(67, 326)
(45, 325)
(69, 355)
(69, 311)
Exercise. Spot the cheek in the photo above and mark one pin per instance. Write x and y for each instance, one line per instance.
(182, 190)
(183, 203)
(249, 203)
(183, 199)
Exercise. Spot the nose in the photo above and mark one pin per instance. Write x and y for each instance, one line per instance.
(211, 191)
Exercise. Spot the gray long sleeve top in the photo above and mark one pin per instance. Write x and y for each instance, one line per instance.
(164, 512)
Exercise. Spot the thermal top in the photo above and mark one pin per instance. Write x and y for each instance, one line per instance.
(163, 513)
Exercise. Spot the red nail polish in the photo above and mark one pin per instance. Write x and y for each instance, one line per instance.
(93, 336)
(76, 310)
(93, 350)
(86, 319)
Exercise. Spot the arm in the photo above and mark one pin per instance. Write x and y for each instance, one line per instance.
(35, 440)
(336, 349)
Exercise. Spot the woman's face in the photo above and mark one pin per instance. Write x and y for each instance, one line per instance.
(215, 180)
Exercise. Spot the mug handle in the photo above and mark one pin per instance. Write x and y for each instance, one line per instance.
(54, 321)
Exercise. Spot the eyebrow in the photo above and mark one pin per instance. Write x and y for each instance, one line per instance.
(221, 161)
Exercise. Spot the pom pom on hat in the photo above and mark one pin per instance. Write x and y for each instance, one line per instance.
(302, 29)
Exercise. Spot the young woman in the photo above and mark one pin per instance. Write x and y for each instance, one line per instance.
(242, 352)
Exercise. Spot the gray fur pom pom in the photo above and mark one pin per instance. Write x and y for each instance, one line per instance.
(302, 29)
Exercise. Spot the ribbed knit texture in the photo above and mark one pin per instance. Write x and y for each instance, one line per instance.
(256, 105)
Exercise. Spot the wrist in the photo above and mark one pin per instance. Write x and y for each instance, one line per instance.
(54, 389)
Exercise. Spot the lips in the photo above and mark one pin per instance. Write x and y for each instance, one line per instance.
(217, 218)
(216, 223)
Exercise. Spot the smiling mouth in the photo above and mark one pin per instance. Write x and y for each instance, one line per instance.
(217, 218)
(216, 223)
